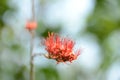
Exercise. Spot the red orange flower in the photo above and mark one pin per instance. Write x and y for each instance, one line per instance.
(60, 49)
(31, 25)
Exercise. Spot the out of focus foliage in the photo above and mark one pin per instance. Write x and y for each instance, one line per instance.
(103, 23)
(105, 18)
(3, 8)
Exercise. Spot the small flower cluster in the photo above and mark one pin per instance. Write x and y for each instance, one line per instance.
(60, 49)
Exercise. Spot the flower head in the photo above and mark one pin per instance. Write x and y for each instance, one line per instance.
(31, 25)
(60, 49)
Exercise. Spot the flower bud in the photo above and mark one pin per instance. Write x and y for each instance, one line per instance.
(31, 25)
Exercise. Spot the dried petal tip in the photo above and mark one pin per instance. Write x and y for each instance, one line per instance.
(60, 49)
(31, 25)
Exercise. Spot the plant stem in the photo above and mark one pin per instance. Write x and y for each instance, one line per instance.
(32, 73)
(33, 10)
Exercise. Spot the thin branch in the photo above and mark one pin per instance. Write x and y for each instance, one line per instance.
(32, 72)
(31, 58)
(37, 54)
(33, 10)
(40, 54)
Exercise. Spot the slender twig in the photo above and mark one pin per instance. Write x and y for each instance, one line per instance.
(32, 73)
(37, 54)
(31, 58)
(33, 10)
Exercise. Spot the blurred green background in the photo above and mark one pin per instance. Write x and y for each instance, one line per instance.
(93, 24)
